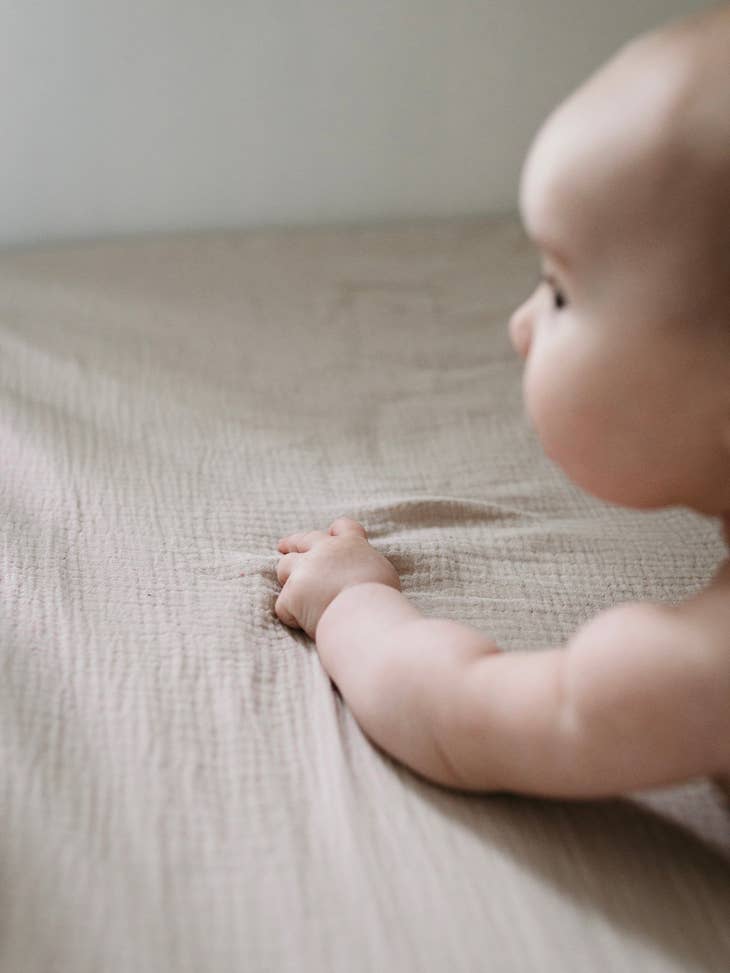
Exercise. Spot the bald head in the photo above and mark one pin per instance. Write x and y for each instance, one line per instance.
(638, 158)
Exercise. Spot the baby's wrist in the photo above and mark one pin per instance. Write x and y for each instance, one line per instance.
(358, 617)
(366, 597)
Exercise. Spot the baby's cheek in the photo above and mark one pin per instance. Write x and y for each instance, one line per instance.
(547, 393)
(563, 410)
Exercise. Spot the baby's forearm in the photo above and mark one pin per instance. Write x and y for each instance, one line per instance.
(400, 673)
(440, 697)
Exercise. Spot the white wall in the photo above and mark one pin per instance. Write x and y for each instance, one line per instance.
(152, 115)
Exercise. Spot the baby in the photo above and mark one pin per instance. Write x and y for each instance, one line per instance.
(626, 342)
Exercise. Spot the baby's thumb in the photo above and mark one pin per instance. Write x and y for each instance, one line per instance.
(283, 613)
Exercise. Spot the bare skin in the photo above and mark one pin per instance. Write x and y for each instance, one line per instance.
(626, 344)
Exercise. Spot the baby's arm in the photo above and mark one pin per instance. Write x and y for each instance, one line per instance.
(637, 698)
(633, 701)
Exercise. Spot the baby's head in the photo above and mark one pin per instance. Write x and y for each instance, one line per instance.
(626, 192)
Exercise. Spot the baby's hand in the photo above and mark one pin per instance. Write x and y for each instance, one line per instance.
(318, 565)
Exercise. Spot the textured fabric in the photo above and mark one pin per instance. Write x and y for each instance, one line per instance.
(182, 787)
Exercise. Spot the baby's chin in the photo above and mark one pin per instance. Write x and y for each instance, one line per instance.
(636, 489)
(632, 496)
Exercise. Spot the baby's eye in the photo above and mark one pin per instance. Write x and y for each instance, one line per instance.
(559, 298)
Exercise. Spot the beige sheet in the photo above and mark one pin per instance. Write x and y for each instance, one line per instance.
(182, 789)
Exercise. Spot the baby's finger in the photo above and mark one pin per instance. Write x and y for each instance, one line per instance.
(346, 525)
(302, 542)
(286, 544)
(283, 613)
(283, 544)
(285, 567)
